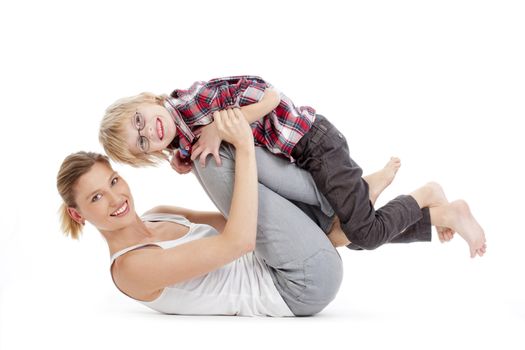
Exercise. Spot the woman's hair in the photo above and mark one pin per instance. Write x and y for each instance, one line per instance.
(73, 167)
(112, 128)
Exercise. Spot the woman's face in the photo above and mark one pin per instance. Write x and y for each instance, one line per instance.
(151, 129)
(103, 198)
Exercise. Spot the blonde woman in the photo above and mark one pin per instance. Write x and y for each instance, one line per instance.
(181, 261)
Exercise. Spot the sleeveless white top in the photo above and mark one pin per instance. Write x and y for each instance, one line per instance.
(243, 287)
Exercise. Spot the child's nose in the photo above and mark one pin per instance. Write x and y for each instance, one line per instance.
(151, 132)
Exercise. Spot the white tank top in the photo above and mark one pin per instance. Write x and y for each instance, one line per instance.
(243, 287)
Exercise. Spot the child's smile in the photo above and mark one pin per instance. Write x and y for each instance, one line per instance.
(155, 132)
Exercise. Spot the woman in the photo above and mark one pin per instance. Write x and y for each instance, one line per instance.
(175, 266)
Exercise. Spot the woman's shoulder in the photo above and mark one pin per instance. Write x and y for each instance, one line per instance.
(127, 268)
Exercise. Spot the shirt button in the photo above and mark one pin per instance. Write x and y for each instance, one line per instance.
(187, 148)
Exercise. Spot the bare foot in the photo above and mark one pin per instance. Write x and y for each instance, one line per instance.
(445, 234)
(458, 217)
(378, 181)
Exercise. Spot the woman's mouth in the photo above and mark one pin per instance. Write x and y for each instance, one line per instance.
(160, 129)
(123, 210)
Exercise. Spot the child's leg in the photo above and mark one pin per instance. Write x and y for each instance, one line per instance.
(438, 212)
(378, 181)
(324, 153)
(297, 185)
(418, 232)
(414, 233)
(455, 215)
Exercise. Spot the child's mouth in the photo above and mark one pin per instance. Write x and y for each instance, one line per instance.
(160, 129)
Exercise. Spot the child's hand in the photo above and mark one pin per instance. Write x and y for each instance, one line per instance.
(209, 142)
(179, 164)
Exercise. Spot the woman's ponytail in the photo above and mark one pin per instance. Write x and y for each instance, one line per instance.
(73, 167)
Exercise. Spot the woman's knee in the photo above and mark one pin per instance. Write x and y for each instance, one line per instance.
(323, 277)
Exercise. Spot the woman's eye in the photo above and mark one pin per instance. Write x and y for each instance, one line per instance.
(114, 181)
(96, 197)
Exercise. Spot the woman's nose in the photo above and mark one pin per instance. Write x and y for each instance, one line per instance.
(113, 199)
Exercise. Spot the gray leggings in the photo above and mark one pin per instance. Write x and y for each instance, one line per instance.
(305, 267)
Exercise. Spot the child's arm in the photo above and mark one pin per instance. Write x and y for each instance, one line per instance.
(268, 103)
(209, 141)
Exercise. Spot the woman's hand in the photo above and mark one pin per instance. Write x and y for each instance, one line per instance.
(180, 164)
(208, 143)
(232, 127)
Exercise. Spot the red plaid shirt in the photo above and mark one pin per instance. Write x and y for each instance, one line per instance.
(279, 131)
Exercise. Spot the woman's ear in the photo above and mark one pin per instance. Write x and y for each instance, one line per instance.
(75, 215)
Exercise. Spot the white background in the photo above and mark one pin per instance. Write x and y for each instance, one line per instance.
(438, 83)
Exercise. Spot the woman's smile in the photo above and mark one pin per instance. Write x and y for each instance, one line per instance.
(122, 210)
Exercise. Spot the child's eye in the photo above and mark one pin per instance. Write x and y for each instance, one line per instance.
(137, 121)
(96, 197)
(114, 181)
(143, 144)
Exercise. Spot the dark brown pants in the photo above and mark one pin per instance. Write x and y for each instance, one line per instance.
(324, 153)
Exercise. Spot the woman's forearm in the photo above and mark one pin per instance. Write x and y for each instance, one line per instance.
(240, 229)
(241, 226)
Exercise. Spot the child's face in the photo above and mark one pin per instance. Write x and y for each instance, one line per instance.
(151, 129)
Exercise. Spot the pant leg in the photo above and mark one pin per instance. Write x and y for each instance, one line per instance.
(298, 186)
(324, 153)
(305, 267)
(419, 232)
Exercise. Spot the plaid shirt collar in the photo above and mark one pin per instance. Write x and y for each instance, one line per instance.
(184, 133)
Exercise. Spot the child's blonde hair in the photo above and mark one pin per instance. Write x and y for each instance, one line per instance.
(112, 127)
(73, 167)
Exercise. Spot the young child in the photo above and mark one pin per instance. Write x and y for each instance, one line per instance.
(136, 131)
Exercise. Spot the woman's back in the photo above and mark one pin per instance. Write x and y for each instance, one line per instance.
(242, 287)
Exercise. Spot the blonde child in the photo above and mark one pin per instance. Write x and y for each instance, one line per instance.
(140, 130)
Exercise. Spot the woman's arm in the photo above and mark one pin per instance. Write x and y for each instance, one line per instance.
(147, 271)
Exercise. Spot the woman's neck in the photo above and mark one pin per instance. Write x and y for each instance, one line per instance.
(128, 236)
